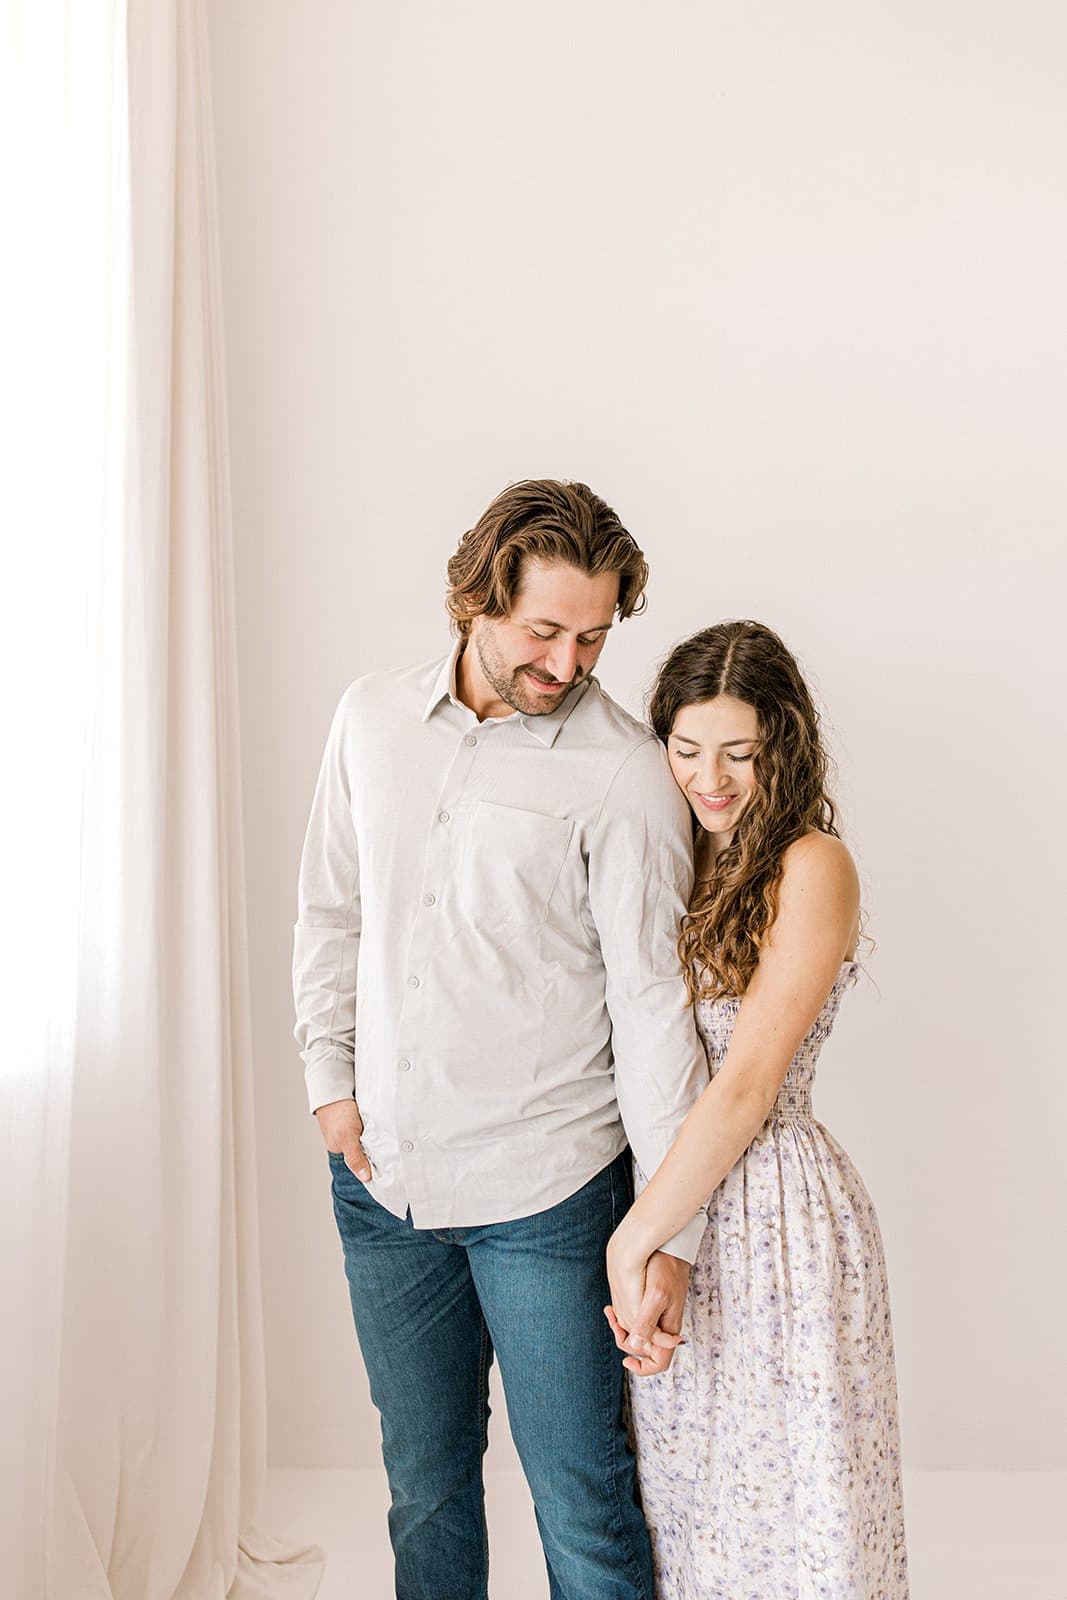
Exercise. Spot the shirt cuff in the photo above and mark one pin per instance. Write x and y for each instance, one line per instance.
(328, 1079)
(686, 1243)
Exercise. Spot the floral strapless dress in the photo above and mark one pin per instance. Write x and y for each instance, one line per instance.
(768, 1454)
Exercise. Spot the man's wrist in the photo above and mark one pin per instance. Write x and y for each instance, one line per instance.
(686, 1242)
(329, 1079)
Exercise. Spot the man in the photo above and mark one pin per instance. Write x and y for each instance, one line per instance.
(488, 994)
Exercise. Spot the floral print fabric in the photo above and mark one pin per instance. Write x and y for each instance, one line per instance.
(768, 1453)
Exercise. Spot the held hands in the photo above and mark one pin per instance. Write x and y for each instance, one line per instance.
(342, 1130)
(648, 1298)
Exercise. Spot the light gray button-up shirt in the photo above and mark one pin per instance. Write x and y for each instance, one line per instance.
(486, 947)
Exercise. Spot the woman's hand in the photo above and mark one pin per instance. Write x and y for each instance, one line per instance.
(626, 1275)
(648, 1298)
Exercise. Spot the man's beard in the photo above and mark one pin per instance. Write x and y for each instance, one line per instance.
(513, 686)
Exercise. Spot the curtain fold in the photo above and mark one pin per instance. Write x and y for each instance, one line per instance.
(134, 1190)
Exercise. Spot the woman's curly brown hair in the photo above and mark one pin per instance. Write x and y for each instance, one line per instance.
(731, 914)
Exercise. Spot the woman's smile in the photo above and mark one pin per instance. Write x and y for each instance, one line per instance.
(716, 802)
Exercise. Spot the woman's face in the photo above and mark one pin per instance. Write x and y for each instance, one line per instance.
(711, 748)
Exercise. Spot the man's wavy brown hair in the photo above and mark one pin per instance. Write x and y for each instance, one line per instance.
(553, 521)
(730, 915)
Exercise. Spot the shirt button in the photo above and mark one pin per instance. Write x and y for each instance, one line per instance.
(430, 900)
(407, 1145)
(405, 1066)
(413, 983)
(471, 740)
(443, 816)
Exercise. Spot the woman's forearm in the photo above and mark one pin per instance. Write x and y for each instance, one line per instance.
(717, 1131)
(797, 968)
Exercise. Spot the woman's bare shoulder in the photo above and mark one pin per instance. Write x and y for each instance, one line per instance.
(821, 862)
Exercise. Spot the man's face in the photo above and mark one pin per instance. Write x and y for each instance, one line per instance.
(559, 620)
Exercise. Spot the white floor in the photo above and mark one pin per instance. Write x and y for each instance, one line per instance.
(971, 1535)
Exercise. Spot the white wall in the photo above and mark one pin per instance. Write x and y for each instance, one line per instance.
(785, 284)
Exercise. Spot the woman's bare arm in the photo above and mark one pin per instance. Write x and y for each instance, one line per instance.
(814, 931)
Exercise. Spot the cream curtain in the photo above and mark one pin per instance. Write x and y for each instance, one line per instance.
(134, 1454)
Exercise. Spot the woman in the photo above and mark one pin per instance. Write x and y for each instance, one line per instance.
(768, 1453)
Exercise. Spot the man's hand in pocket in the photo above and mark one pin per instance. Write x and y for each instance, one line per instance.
(342, 1130)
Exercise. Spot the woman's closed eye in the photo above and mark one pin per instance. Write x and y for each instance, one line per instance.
(691, 755)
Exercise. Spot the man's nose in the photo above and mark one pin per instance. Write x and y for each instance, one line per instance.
(562, 660)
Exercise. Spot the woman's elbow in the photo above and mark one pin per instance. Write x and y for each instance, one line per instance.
(749, 1102)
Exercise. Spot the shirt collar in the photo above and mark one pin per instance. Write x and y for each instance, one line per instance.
(444, 685)
(544, 729)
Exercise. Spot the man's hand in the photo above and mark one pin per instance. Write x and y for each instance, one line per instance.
(342, 1129)
(657, 1291)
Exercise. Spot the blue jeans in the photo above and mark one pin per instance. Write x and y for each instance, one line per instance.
(431, 1307)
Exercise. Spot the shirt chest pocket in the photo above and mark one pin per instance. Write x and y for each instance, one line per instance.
(511, 864)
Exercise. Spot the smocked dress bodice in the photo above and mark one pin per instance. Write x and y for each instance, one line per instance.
(715, 1021)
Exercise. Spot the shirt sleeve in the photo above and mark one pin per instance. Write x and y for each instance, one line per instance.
(640, 879)
(326, 941)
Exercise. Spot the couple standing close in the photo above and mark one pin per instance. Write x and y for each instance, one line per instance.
(506, 970)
